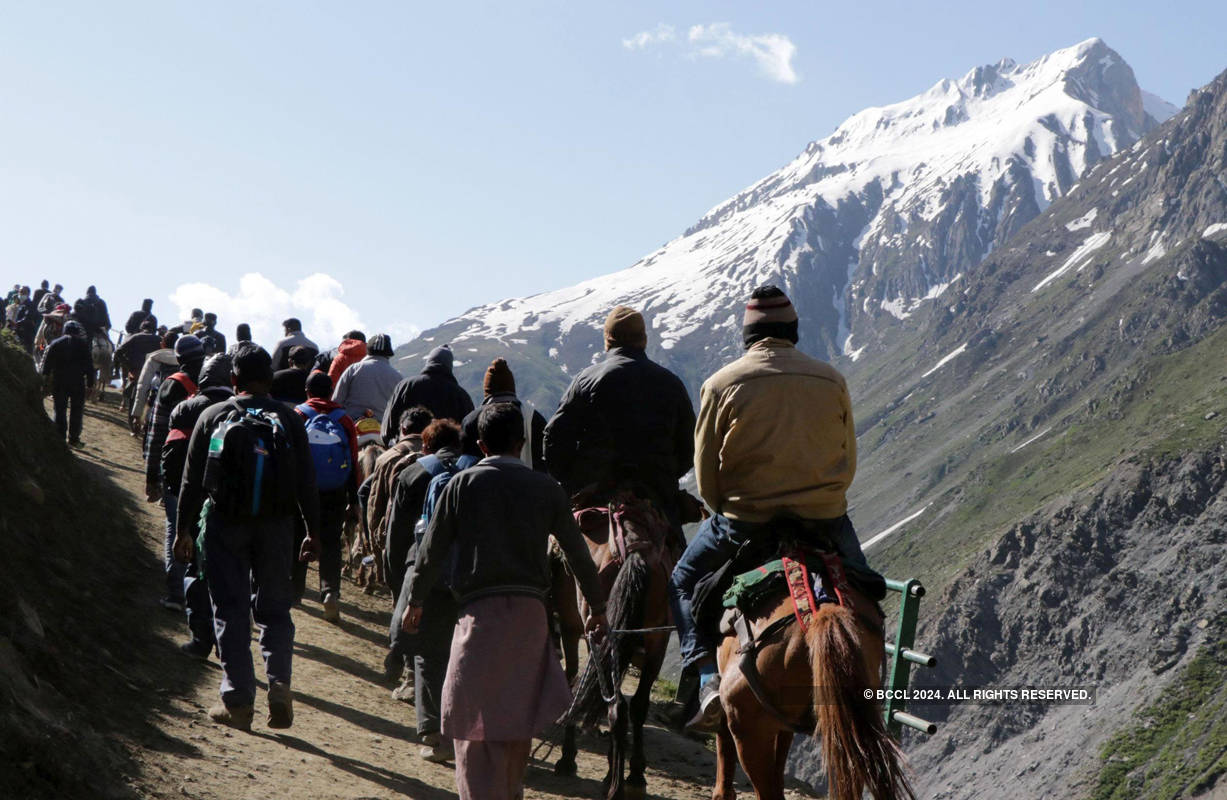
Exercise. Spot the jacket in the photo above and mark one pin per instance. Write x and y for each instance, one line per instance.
(533, 453)
(290, 385)
(281, 353)
(131, 354)
(775, 436)
(388, 467)
(435, 388)
(91, 312)
(404, 511)
(159, 364)
(321, 406)
(350, 351)
(170, 394)
(182, 420)
(214, 341)
(625, 419)
(499, 516)
(191, 489)
(366, 386)
(133, 325)
(69, 364)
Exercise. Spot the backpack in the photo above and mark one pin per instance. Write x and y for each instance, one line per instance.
(250, 472)
(329, 447)
(441, 473)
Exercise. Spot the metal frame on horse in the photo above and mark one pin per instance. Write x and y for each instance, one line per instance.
(628, 538)
(809, 670)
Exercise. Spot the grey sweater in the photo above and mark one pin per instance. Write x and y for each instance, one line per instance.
(499, 514)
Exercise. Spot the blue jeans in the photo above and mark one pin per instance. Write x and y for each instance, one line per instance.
(199, 608)
(717, 541)
(175, 571)
(248, 569)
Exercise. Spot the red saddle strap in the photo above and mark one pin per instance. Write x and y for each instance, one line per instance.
(800, 588)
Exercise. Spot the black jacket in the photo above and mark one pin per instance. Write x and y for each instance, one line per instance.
(170, 394)
(182, 421)
(436, 389)
(469, 433)
(624, 420)
(499, 516)
(135, 349)
(290, 385)
(133, 325)
(92, 313)
(69, 363)
(404, 511)
(214, 341)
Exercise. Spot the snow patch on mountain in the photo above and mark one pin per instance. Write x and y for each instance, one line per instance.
(1084, 251)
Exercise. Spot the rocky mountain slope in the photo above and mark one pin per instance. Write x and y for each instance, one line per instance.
(863, 228)
(1051, 436)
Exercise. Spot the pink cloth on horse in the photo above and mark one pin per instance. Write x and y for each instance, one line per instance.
(504, 682)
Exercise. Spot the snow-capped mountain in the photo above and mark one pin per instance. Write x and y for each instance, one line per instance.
(861, 228)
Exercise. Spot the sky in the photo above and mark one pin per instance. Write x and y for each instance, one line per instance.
(388, 165)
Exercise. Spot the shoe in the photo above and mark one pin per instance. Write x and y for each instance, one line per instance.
(76, 443)
(171, 604)
(280, 705)
(238, 717)
(711, 711)
(436, 749)
(393, 666)
(332, 609)
(196, 650)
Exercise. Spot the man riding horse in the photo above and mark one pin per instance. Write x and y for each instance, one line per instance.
(775, 438)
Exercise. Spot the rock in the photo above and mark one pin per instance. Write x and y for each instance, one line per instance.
(1211, 415)
(32, 491)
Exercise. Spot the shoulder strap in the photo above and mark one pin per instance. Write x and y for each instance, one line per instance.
(184, 380)
(306, 410)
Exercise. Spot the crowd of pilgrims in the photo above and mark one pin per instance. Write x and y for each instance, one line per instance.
(265, 460)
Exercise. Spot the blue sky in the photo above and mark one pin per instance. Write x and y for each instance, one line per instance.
(429, 158)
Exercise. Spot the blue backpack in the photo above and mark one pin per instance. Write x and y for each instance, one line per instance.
(329, 447)
(441, 473)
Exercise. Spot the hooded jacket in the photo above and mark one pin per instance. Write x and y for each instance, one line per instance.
(435, 388)
(624, 420)
(350, 351)
(366, 386)
(775, 436)
(159, 364)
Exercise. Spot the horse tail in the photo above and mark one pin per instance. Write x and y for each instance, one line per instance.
(857, 751)
(625, 611)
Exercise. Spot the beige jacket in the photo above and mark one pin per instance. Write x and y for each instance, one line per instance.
(775, 436)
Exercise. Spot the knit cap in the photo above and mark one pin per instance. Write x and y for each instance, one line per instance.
(769, 304)
(188, 348)
(499, 379)
(624, 327)
(380, 345)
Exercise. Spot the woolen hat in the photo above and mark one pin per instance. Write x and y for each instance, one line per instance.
(769, 304)
(319, 385)
(380, 345)
(499, 379)
(624, 327)
(188, 348)
(252, 362)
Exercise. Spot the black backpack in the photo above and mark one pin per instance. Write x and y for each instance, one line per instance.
(251, 472)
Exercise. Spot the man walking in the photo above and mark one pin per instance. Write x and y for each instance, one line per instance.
(504, 684)
(435, 387)
(249, 469)
(68, 363)
(294, 337)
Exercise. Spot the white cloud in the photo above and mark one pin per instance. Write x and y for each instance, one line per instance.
(659, 35)
(262, 304)
(771, 52)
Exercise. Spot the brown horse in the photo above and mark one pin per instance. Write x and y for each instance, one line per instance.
(628, 543)
(354, 538)
(814, 680)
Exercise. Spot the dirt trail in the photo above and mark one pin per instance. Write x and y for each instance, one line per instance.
(350, 739)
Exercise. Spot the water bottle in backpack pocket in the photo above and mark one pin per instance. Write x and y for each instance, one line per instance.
(441, 473)
(250, 471)
(330, 449)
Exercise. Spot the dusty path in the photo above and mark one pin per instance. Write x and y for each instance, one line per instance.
(350, 739)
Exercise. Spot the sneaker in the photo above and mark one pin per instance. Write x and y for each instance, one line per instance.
(711, 711)
(238, 717)
(332, 609)
(171, 604)
(436, 749)
(280, 705)
(76, 443)
(195, 650)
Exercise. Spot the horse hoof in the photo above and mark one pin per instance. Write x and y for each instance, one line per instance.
(634, 791)
(566, 768)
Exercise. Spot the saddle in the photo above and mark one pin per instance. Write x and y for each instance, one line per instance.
(628, 523)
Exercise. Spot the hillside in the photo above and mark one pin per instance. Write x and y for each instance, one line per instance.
(864, 228)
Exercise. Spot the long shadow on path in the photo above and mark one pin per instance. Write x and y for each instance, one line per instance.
(392, 781)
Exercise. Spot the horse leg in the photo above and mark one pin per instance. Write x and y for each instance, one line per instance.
(570, 630)
(757, 751)
(614, 779)
(726, 765)
(783, 745)
(653, 657)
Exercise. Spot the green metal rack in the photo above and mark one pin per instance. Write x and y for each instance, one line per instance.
(902, 657)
